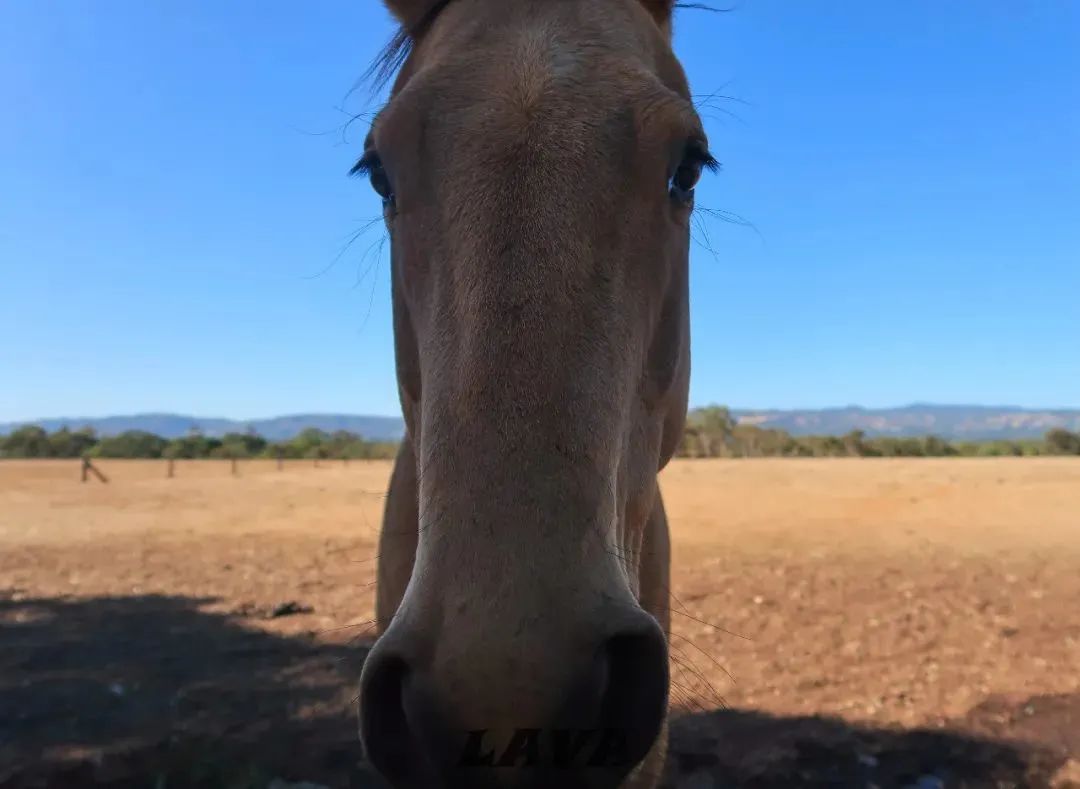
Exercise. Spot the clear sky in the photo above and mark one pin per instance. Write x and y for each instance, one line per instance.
(173, 202)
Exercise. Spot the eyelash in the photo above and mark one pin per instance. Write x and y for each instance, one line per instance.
(363, 164)
(371, 166)
(684, 180)
(700, 153)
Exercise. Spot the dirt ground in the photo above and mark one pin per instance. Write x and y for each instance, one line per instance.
(840, 623)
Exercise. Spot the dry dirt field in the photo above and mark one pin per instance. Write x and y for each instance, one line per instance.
(840, 623)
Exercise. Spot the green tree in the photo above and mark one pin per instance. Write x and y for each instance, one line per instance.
(241, 445)
(65, 443)
(1062, 442)
(309, 443)
(29, 441)
(708, 432)
(131, 444)
(193, 446)
(855, 443)
(933, 446)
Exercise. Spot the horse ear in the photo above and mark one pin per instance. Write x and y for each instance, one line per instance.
(412, 13)
(661, 11)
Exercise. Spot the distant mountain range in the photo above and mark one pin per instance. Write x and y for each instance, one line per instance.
(948, 421)
(281, 428)
(958, 422)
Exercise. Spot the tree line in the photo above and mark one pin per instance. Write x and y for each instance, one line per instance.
(710, 433)
(714, 432)
(32, 441)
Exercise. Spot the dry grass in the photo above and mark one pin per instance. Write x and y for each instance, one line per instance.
(922, 593)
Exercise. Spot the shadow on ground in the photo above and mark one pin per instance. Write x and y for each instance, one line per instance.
(741, 748)
(155, 691)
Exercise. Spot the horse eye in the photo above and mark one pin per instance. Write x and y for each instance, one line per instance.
(685, 179)
(696, 158)
(371, 165)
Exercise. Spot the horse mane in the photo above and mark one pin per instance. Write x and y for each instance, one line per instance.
(397, 50)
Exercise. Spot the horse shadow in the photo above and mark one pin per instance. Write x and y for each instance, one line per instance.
(158, 691)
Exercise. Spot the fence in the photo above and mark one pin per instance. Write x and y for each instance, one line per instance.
(89, 469)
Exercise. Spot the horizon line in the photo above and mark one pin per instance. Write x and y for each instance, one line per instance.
(850, 406)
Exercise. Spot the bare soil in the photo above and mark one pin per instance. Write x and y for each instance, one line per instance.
(839, 623)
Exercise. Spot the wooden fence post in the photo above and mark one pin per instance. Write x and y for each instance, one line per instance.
(280, 462)
(89, 468)
(172, 468)
(232, 463)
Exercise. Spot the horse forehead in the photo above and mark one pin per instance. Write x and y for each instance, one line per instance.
(535, 67)
(539, 88)
(523, 48)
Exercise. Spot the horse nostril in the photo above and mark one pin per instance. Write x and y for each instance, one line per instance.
(635, 700)
(384, 726)
(605, 725)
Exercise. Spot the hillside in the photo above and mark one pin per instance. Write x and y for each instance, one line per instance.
(960, 422)
(282, 428)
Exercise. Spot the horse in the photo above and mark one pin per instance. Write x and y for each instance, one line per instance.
(536, 161)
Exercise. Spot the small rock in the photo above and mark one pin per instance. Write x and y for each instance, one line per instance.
(867, 760)
(289, 609)
(117, 689)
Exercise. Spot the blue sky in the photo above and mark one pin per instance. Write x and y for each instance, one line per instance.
(173, 203)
